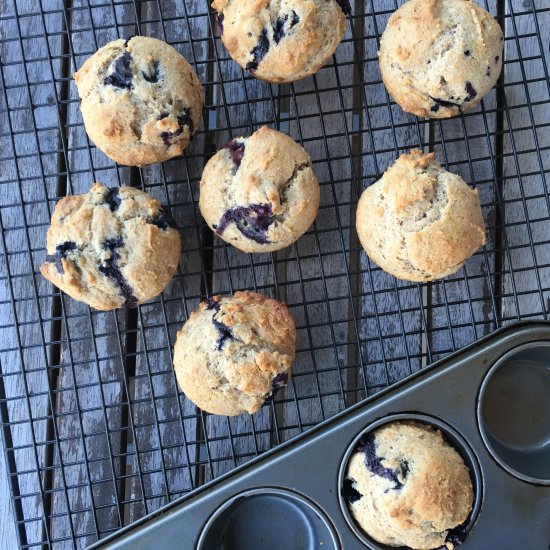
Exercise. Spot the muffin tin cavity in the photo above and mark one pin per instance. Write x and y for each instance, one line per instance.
(514, 412)
(270, 519)
(348, 494)
(321, 479)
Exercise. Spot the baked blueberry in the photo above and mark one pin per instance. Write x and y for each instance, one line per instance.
(122, 75)
(278, 44)
(470, 90)
(279, 27)
(258, 52)
(259, 193)
(140, 99)
(164, 219)
(236, 150)
(280, 381)
(278, 32)
(152, 73)
(111, 269)
(184, 120)
(345, 5)
(219, 21)
(374, 463)
(349, 492)
(456, 536)
(61, 251)
(212, 304)
(252, 221)
(113, 198)
(111, 248)
(224, 332)
(442, 103)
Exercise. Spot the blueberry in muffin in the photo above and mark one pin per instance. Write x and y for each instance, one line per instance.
(140, 99)
(111, 248)
(224, 332)
(259, 193)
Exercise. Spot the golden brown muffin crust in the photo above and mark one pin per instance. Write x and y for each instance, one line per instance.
(114, 236)
(432, 491)
(440, 57)
(154, 117)
(275, 174)
(296, 38)
(231, 350)
(420, 222)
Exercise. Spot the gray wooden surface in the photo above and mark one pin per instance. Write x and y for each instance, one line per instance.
(359, 329)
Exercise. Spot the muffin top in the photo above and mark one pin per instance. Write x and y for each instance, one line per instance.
(406, 486)
(234, 351)
(141, 100)
(281, 40)
(260, 193)
(440, 57)
(420, 222)
(111, 248)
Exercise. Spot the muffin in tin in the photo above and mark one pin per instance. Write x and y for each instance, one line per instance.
(407, 486)
(234, 352)
(440, 57)
(281, 40)
(260, 193)
(141, 101)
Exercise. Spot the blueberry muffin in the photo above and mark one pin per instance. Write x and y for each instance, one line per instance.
(440, 57)
(420, 222)
(141, 101)
(406, 486)
(234, 352)
(111, 248)
(282, 40)
(260, 193)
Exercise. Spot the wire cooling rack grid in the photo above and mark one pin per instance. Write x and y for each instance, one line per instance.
(95, 432)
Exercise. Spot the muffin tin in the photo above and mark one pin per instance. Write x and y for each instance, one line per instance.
(492, 402)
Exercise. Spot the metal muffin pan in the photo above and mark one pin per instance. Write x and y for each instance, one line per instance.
(492, 402)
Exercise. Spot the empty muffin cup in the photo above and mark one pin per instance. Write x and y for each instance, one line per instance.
(514, 412)
(268, 518)
(391, 473)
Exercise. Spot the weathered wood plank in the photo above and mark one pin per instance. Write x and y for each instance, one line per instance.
(314, 276)
(393, 319)
(28, 183)
(526, 140)
(462, 305)
(8, 535)
(233, 270)
(166, 442)
(92, 388)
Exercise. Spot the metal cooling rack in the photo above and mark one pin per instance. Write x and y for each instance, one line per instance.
(95, 431)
